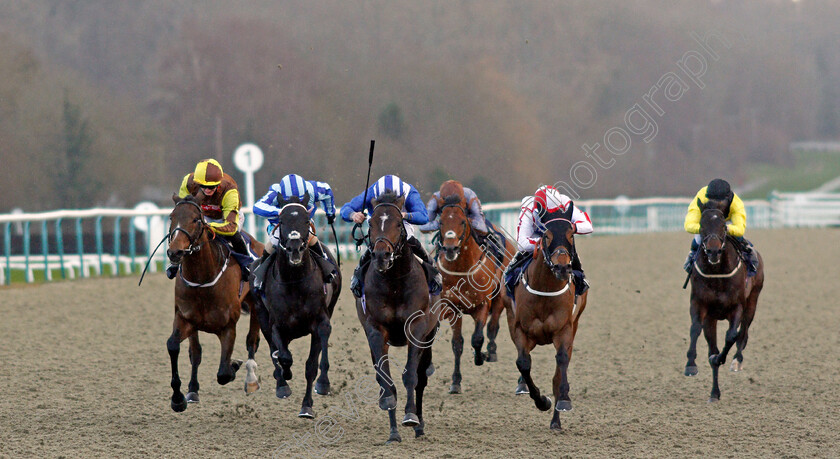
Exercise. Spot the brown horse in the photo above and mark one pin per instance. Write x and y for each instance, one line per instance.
(720, 290)
(394, 310)
(209, 296)
(546, 310)
(472, 281)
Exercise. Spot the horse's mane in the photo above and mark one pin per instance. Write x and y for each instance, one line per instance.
(388, 197)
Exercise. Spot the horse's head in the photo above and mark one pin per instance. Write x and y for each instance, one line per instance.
(186, 229)
(293, 228)
(387, 232)
(557, 242)
(712, 229)
(454, 227)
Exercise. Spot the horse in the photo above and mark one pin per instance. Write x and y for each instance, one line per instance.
(297, 303)
(546, 310)
(720, 289)
(208, 298)
(472, 282)
(394, 310)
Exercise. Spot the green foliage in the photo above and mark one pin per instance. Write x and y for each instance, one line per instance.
(73, 185)
(485, 189)
(391, 121)
(437, 176)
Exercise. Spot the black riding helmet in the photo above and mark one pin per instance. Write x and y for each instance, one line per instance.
(719, 190)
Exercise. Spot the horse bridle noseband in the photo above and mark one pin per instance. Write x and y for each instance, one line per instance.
(395, 247)
(713, 236)
(192, 248)
(464, 235)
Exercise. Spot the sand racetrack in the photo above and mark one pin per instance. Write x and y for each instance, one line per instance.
(85, 372)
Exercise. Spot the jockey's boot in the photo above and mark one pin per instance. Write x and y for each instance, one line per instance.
(171, 270)
(259, 268)
(751, 257)
(581, 284)
(432, 273)
(491, 243)
(511, 277)
(237, 240)
(690, 258)
(320, 256)
(358, 279)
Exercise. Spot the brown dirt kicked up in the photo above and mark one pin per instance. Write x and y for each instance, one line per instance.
(86, 372)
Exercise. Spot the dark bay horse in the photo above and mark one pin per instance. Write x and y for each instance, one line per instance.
(720, 290)
(298, 303)
(472, 282)
(545, 310)
(208, 298)
(394, 310)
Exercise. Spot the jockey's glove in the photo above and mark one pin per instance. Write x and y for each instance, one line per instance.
(330, 219)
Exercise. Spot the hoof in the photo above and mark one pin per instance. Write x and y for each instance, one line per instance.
(418, 430)
(479, 358)
(179, 403)
(283, 392)
(223, 379)
(306, 412)
(563, 405)
(522, 389)
(252, 380)
(430, 370)
(690, 370)
(736, 366)
(410, 420)
(388, 403)
(251, 388)
(492, 357)
(544, 404)
(714, 399)
(322, 388)
(235, 364)
(394, 438)
(192, 397)
(455, 389)
(555, 427)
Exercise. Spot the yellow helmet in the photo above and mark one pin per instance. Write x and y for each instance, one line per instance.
(208, 172)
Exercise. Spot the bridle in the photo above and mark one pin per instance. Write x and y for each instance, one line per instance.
(282, 238)
(396, 247)
(193, 247)
(716, 236)
(558, 250)
(464, 234)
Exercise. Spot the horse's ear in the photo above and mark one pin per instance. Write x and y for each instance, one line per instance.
(439, 201)
(175, 198)
(700, 205)
(400, 202)
(305, 200)
(570, 209)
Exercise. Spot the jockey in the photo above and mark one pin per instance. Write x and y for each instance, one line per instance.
(413, 213)
(268, 207)
(546, 199)
(478, 222)
(218, 196)
(719, 190)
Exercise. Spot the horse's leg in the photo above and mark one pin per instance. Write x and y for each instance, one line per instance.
(410, 381)
(265, 325)
(710, 332)
(227, 367)
(524, 346)
(563, 345)
(195, 361)
(496, 308)
(731, 334)
(252, 342)
(388, 399)
(478, 335)
(283, 363)
(322, 386)
(422, 381)
(694, 333)
(457, 349)
(310, 372)
(181, 329)
(743, 336)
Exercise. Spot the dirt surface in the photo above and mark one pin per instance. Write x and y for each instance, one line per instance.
(86, 373)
